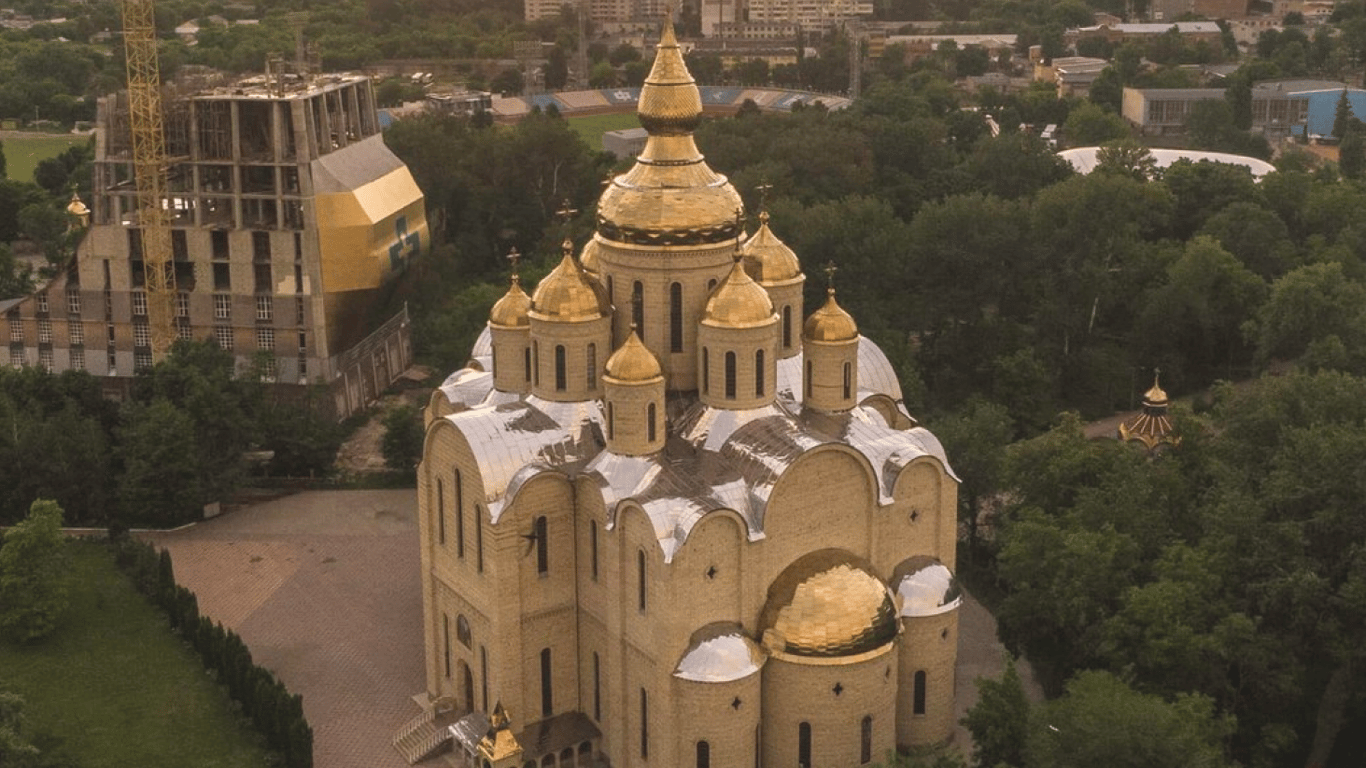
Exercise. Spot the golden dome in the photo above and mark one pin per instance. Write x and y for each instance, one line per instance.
(738, 302)
(830, 322)
(568, 295)
(670, 196)
(633, 362)
(768, 259)
(510, 311)
(588, 257)
(1156, 395)
(76, 207)
(827, 604)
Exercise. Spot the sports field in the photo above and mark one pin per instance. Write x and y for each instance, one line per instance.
(592, 128)
(23, 153)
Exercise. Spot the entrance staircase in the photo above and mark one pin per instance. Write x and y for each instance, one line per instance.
(426, 735)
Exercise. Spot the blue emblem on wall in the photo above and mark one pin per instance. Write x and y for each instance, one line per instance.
(406, 244)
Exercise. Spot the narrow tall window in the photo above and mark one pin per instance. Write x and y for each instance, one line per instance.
(804, 745)
(547, 707)
(446, 642)
(676, 319)
(597, 688)
(560, 378)
(866, 740)
(462, 631)
(536, 362)
(808, 378)
(484, 676)
(640, 579)
(440, 513)
(848, 380)
(611, 423)
(918, 695)
(650, 422)
(638, 307)
(592, 377)
(706, 371)
(758, 373)
(610, 298)
(703, 755)
(787, 327)
(479, 538)
(459, 516)
(730, 375)
(542, 546)
(526, 364)
(593, 546)
(644, 725)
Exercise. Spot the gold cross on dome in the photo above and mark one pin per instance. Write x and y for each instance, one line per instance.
(739, 229)
(830, 270)
(514, 257)
(763, 189)
(566, 212)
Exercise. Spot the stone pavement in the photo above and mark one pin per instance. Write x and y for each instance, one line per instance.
(323, 587)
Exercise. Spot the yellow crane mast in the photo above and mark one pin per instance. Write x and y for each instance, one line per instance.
(149, 170)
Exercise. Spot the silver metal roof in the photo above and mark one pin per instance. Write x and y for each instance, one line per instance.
(720, 653)
(925, 587)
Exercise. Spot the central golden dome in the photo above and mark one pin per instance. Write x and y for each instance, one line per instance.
(739, 302)
(827, 604)
(568, 295)
(670, 196)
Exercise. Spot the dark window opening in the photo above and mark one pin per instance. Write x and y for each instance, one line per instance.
(644, 725)
(542, 546)
(560, 378)
(866, 740)
(597, 688)
(703, 755)
(804, 745)
(730, 375)
(848, 380)
(638, 307)
(650, 422)
(446, 642)
(593, 546)
(547, 708)
(440, 513)
(640, 579)
(459, 516)
(918, 696)
(759, 373)
(787, 327)
(676, 319)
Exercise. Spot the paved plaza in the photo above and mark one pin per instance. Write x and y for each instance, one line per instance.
(323, 587)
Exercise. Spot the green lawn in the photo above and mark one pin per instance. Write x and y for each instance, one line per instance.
(592, 128)
(23, 155)
(119, 688)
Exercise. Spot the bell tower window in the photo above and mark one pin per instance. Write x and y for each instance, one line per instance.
(638, 307)
(758, 373)
(650, 422)
(592, 360)
(787, 327)
(676, 317)
(560, 378)
(730, 375)
(848, 380)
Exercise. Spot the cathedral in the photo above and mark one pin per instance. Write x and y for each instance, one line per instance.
(670, 519)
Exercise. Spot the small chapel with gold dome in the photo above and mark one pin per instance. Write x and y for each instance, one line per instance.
(669, 518)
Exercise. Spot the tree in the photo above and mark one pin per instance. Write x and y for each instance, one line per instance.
(33, 589)
(1126, 157)
(976, 437)
(402, 445)
(602, 75)
(1352, 154)
(999, 721)
(1102, 721)
(1342, 116)
(1307, 306)
(556, 68)
(3, 167)
(14, 748)
(160, 484)
(508, 82)
(1107, 90)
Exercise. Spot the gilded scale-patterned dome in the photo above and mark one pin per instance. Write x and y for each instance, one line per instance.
(588, 257)
(739, 302)
(511, 310)
(828, 604)
(633, 362)
(670, 196)
(568, 295)
(830, 322)
(767, 259)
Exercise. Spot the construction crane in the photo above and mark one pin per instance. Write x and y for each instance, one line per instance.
(149, 171)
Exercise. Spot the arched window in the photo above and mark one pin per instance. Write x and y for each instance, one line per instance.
(638, 307)
(644, 725)
(536, 362)
(866, 740)
(560, 378)
(711, 284)
(706, 371)
(808, 378)
(918, 695)
(479, 538)
(703, 755)
(547, 706)
(495, 361)
(787, 327)
(526, 364)
(609, 290)
(593, 546)
(730, 375)
(758, 373)
(446, 643)
(804, 745)
(440, 513)
(542, 546)
(592, 361)
(597, 688)
(611, 423)
(650, 422)
(640, 579)
(462, 631)
(459, 516)
(484, 676)
(676, 317)
(848, 380)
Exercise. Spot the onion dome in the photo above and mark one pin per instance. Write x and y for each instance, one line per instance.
(1152, 426)
(827, 604)
(830, 322)
(670, 196)
(925, 587)
(739, 302)
(633, 362)
(511, 310)
(719, 653)
(76, 207)
(588, 257)
(568, 295)
(767, 259)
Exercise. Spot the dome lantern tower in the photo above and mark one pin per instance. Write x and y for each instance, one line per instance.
(773, 265)
(571, 331)
(510, 332)
(634, 400)
(737, 339)
(830, 342)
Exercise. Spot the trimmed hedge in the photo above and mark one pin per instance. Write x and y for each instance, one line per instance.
(277, 714)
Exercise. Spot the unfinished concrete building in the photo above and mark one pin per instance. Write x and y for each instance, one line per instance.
(289, 215)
